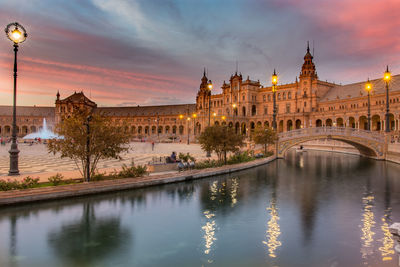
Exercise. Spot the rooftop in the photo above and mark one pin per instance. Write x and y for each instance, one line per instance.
(358, 89)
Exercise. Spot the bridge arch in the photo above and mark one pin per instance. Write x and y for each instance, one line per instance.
(369, 144)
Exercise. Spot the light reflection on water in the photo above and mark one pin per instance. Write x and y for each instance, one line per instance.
(273, 230)
(314, 209)
(368, 221)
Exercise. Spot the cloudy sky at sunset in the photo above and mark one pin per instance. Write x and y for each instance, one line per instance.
(130, 52)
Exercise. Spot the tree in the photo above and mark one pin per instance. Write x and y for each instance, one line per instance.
(264, 136)
(105, 139)
(220, 139)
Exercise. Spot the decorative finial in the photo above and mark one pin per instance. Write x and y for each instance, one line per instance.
(204, 73)
(387, 68)
(274, 72)
(308, 47)
(237, 66)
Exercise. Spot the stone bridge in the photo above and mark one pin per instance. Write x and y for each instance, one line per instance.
(370, 143)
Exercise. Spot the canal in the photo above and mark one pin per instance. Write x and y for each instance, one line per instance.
(309, 209)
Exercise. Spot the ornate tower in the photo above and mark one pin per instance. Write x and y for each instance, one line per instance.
(308, 83)
(65, 107)
(202, 94)
(308, 68)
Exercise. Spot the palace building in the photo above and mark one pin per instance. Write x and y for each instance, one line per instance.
(243, 104)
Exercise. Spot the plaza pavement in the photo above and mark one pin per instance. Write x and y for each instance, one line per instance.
(35, 161)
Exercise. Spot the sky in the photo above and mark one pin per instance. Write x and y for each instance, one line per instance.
(152, 52)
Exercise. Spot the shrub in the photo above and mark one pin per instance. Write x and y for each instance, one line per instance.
(269, 153)
(98, 176)
(187, 157)
(56, 179)
(29, 182)
(9, 185)
(132, 171)
(208, 164)
(240, 157)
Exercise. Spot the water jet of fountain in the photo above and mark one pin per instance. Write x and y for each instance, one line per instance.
(43, 133)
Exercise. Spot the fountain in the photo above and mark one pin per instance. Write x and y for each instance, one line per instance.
(43, 133)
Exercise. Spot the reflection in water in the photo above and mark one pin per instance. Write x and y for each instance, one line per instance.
(13, 240)
(210, 227)
(301, 161)
(279, 214)
(367, 236)
(273, 230)
(234, 191)
(209, 231)
(89, 239)
(387, 242)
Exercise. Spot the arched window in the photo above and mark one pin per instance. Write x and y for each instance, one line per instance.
(253, 110)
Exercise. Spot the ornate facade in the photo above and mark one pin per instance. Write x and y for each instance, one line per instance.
(242, 104)
(307, 102)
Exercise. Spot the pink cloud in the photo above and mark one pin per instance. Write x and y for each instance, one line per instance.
(46, 77)
(370, 24)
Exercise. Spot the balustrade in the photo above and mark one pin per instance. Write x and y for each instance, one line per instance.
(328, 130)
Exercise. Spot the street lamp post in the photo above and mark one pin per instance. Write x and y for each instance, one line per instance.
(87, 124)
(194, 123)
(16, 33)
(188, 129)
(148, 129)
(387, 76)
(214, 115)
(234, 110)
(368, 88)
(274, 83)
(180, 123)
(158, 133)
(210, 86)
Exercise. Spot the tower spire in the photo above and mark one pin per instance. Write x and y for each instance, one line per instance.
(237, 66)
(308, 68)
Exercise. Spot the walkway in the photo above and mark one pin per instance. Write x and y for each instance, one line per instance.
(35, 161)
(65, 191)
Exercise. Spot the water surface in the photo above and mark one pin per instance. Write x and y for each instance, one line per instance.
(315, 209)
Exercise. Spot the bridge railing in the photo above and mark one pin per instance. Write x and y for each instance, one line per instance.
(342, 131)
